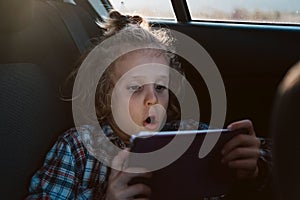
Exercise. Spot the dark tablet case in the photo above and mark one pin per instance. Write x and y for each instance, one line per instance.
(188, 177)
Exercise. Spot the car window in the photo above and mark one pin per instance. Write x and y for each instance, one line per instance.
(269, 11)
(253, 11)
(150, 9)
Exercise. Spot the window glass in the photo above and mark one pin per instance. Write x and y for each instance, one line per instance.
(147, 8)
(98, 7)
(271, 11)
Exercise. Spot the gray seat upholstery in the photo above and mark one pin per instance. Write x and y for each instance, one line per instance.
(37, 53)
(30, 120)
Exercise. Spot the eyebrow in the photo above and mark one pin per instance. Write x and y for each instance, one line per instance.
(142, 76)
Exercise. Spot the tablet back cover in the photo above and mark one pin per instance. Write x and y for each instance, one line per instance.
(189, 177)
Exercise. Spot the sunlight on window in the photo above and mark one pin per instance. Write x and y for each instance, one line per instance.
(269, 11)
(146, 8)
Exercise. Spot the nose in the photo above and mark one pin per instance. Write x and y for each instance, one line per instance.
(150, 95)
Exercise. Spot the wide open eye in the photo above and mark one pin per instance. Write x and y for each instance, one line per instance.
(134, 88)
(159, 87)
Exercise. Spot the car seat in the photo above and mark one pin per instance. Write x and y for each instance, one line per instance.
(286, 135)
(37, 52)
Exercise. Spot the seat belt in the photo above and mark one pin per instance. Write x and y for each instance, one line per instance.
(74, 25)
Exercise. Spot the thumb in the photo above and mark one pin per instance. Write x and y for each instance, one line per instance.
(119, 162)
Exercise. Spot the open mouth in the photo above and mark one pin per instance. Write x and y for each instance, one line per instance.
(150, 123)
(149, 120)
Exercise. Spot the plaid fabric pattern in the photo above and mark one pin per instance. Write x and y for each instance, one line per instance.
(70, 171)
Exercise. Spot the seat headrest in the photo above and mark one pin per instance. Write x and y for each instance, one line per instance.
(15, 15)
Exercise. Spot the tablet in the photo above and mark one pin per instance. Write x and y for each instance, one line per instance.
(188, 177)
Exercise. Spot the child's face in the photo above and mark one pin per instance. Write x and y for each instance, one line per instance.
(140, 96)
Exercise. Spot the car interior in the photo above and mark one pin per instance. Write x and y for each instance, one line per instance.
(42, 41)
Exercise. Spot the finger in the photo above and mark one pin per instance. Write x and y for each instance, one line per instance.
(124, 177)
(241, 140)
(141, 198)
(138, 190)
(243, 124)
(241, 153)
(120, 159)
(118, 163)
(247, 174)
(136, 170)
(113, 174)
(246, 164)
(245, 168)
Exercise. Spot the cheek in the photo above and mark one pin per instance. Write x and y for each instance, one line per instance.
(134, 105)
(164, 99)
(121, 103)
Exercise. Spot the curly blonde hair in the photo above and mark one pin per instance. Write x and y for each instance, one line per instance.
(129, 31)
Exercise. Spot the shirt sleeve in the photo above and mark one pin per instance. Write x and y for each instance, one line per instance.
(60, 176)
(265, 163)
(57, 178)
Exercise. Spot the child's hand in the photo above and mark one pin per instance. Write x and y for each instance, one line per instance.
(242, 151)
(118, 187)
